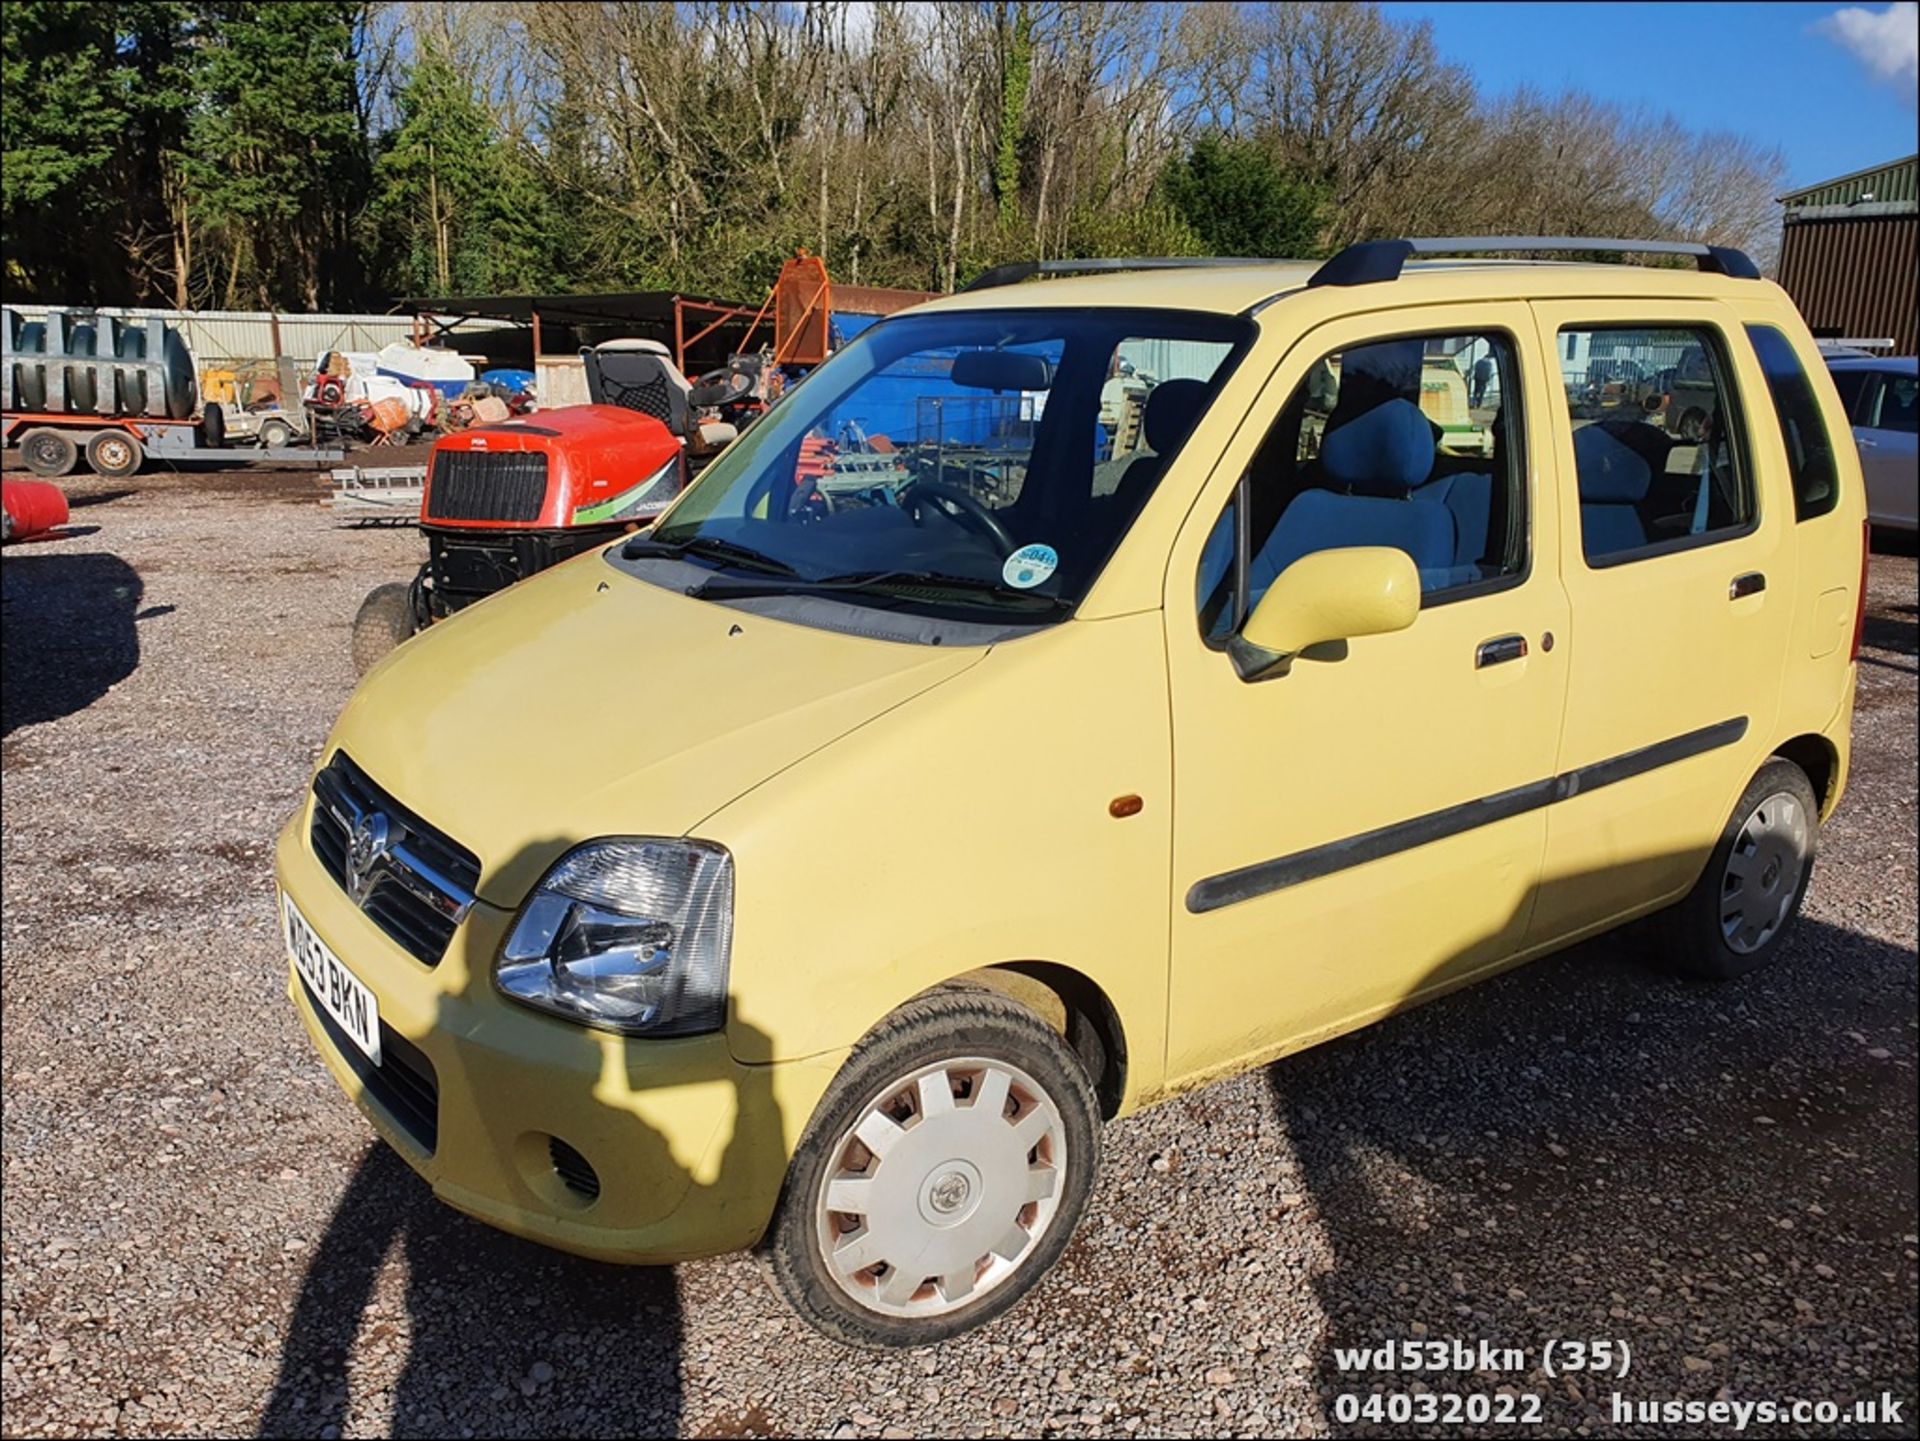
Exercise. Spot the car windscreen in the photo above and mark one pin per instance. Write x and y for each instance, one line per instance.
(980, 461)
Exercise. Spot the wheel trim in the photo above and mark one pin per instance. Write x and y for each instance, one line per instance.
(945, 1183)
(1763, 872)
(114, 454)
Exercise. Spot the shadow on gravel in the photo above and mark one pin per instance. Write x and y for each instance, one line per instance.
(1589, 1148)
(483, 1311)
(67, 629)
(505, 1337)
(1892, 631)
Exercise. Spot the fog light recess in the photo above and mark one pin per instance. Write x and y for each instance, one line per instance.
(573, 1169)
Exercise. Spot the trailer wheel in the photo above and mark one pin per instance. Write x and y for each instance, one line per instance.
(384, 620)
(115, 453)
(48, 453)
(275, 434)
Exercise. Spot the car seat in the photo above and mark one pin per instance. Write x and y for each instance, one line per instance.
(1614, 479)
(1172, 408)
(1378, 459)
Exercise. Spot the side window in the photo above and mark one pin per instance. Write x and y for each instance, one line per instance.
(1410, 443)
(1816, 482)
(1894, 403)
(1655, 441)
(1850, 383)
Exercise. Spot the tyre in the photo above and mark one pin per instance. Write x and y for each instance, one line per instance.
(385, 618)
(275, 434)
(114, 453)
(941, 1177)
(1733, 920)
(49, 454)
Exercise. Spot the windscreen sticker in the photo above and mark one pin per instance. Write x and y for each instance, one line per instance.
(1029, 566)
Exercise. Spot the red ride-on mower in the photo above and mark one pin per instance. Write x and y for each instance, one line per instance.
(503, 501)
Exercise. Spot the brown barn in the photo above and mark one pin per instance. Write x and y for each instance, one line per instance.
(1848, 253)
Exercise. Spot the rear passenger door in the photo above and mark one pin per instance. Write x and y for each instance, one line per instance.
(1680, 578)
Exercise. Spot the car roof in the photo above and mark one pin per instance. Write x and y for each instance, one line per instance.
(1898, 364)
(1230, 289)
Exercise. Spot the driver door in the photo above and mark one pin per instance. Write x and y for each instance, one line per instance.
(1364, 828)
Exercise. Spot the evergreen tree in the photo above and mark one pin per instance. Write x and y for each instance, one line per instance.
(273, 147)
(1240, 201)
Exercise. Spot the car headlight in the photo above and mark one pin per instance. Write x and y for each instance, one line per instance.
(630, 936)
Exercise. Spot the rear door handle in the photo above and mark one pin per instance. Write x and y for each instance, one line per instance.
(1752, 583)
(1499, 650)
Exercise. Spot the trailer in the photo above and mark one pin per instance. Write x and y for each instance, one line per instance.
(78, 386)
(53, 445)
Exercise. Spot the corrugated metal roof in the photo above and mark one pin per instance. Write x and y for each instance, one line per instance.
(1896, 182)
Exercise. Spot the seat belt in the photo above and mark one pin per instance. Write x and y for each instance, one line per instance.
(1704, 468)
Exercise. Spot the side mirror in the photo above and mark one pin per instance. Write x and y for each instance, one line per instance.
(1330, 595)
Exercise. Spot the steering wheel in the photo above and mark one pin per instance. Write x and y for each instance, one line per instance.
(960, 506)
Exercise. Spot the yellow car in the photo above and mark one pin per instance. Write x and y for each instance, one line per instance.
(820, 874)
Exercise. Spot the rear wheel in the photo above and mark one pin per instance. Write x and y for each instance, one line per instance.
(1745, 901)
(115, 453)
(48, 453)
(942, 1176)
(384, 620)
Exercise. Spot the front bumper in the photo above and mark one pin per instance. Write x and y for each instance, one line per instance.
(689, 1145)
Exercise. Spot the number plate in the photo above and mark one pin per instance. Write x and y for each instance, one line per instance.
(337, 989)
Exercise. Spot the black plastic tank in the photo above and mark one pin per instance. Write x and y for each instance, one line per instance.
(79, 363)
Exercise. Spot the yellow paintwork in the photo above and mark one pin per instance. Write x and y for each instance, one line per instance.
(1336, 595)
(900, 815)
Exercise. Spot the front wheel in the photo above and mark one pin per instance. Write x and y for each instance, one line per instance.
(384, 620)
(942, 1176)
(1733, 919)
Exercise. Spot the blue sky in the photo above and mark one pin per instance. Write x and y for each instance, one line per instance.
(1835, 95)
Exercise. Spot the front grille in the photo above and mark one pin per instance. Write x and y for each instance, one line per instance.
(416, 890)
(487, 485)
(573, 1169)
(403, 1083)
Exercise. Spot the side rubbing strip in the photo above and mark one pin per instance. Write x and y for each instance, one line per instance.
(1264, 877)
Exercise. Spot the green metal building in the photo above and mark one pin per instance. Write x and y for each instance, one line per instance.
(1848, 250)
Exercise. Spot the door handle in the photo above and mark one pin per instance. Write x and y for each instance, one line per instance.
(1752, 583)
(1499, 650)
(1866, 443)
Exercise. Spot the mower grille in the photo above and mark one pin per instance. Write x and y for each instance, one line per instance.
(487, 485)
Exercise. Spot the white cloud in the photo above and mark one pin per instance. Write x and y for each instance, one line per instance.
(1886, 41)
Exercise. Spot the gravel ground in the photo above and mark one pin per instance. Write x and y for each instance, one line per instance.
(200, 1236)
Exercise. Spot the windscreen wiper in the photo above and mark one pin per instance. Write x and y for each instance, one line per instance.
(707, 548)
(891, 584)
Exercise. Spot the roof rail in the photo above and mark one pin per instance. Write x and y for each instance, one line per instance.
(1369, 261)
(1016, 271)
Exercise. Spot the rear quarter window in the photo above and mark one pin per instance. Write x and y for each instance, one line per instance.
(1803, 429)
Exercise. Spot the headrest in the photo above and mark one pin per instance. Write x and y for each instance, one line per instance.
(646, 347)
(1172, 408)
(1395, 364)
(1611, 472)
(1387, 451)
